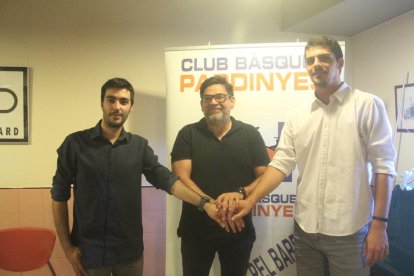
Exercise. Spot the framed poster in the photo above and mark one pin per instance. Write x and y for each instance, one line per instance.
(404, 107)
(14, 117)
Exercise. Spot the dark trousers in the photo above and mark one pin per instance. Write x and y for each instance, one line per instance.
(198, 255)
(131, 269)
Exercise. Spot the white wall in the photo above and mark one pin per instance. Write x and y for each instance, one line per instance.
(381, 57)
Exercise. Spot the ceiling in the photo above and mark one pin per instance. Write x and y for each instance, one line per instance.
(244, 17)
(191, 21)
(339, 17)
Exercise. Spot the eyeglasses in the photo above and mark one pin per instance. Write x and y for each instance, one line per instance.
(220, 98)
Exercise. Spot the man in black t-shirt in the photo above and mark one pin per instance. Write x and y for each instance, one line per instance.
(217, 155)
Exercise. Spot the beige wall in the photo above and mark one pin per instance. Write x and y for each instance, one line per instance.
(381, 57)
(69, 61)
(73, 47)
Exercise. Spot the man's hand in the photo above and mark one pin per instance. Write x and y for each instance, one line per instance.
(237, 225)
(226, 223)
(376, 243)
(243, 208)
(211, 211)
(227, 203)
(73, 254)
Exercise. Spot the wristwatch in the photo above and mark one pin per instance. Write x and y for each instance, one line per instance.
(203, 201)
(242, 190)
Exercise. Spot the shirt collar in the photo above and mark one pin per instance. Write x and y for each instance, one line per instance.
(339, 94)
(235, 124)
(96, 132)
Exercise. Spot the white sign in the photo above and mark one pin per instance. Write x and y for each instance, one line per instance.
(269, 80)
(14, 125)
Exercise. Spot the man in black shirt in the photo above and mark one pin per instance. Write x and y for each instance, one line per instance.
(104, 164)
(217, 155)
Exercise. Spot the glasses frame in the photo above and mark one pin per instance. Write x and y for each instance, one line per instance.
(220, 98)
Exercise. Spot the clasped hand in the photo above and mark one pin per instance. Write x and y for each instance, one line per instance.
(228, 211)
(227, 206)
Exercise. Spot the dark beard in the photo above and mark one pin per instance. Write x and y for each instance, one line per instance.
(113, 124)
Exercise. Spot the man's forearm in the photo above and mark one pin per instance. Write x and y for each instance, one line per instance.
(193, 186)
(250, 188)
(382, 194)
(183, 168)
(61, 219)
(183, 192)
(266, 183)
(376, 242)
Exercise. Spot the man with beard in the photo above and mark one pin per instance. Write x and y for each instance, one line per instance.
(217, 155)
(340, 222)
(105, 165)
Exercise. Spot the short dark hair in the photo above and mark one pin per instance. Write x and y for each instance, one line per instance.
(117, 83)
(216, 80)
(328, 42)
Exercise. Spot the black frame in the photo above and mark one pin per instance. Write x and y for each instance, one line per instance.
(408, 109)
(24, 101)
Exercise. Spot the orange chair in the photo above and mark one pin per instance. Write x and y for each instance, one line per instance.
(26, 248)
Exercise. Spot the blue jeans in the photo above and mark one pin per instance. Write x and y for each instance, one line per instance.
(198, 255)
(318, 254)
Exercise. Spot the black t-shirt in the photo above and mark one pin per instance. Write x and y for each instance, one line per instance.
(218, 167)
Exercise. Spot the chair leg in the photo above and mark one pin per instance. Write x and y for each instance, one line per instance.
(51, 268)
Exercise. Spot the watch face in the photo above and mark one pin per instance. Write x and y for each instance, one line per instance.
(242, 191)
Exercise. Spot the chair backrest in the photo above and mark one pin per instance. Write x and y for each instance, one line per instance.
(25, 248)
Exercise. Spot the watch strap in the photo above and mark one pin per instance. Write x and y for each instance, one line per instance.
(203, 201)
(380, 218)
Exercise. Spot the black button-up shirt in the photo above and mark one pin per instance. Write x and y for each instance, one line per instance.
(106, 178)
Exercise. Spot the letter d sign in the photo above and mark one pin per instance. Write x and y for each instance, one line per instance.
(8, 109)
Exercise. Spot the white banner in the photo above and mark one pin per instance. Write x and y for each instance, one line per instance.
(269, 80)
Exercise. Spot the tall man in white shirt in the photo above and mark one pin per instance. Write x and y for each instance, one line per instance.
(340, 222)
